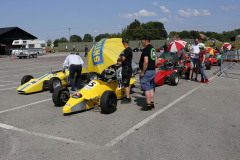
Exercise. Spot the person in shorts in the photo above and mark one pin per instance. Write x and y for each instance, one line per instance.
(147, 63)
(126, 60)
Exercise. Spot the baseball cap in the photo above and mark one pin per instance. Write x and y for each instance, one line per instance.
(125, 40)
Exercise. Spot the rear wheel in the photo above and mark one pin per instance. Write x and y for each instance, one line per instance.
(174, 79)
(60, 96)
(53, 83)
(208, 65)
(108, 102)
(26, 78)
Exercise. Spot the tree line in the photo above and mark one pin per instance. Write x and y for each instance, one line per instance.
(155, 30)
(225, 36)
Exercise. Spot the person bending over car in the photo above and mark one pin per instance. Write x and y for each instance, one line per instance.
(75, 64)
(126, 60)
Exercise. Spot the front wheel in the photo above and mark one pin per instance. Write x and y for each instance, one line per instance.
(53, 83)
(60, 96)
(108, 102)
(26, 78)
(174, 79)
(208, 65)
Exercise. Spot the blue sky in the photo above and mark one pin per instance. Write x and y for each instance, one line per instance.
(50, 19)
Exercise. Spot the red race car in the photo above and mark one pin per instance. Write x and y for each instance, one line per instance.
(212, 60)
(166, 73)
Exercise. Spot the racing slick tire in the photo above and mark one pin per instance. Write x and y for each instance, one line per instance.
(219, 62)
(60, 96)
(26, 78)
(108, 102)
(174, 78)
(208, 65)
(92, 76)
(53, 83)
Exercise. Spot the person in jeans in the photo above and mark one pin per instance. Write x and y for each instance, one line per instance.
(75, 64)
(86, 50)
(126, 60)
(147, 63)
(202, 58)
(194, 50)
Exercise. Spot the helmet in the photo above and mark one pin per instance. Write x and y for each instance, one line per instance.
(110, 73)
(201, 45)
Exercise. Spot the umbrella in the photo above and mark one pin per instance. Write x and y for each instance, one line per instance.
(211, 50)
(228, 46)
(176, 45)
(104, 54)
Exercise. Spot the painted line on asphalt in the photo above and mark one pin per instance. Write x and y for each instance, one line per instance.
(29, 68)
(151, 117)
(8, 88)
(12, 128)
(26, 105)
(9, 84)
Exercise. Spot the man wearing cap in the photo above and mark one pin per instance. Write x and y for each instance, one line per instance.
(126, 60)
(75, 64)
(147, 64)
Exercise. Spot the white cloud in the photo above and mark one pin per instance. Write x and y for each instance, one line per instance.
(179, 20)
(226, 8)
(163, 20)
(155, 3)
(164, 9)
(193, 12)
(141, 13)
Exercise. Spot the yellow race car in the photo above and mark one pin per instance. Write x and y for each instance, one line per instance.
(48, 81)
(103, 92)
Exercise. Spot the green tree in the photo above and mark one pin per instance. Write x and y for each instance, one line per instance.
(49, 42)
(101, 36)
(75, 38)
(185, 34)
(63, 40)
(194, 34)
(173, 34)
(87, 38)
(56, 41)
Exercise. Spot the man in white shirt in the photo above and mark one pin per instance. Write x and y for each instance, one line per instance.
(75, 64)
(194, 50)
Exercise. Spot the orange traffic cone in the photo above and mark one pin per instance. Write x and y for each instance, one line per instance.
(77, 51)
(15, 58)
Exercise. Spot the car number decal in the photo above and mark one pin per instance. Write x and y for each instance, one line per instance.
(90, 85)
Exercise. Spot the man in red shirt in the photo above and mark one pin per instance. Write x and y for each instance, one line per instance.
(202, 58)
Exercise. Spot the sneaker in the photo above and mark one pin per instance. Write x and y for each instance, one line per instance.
(188, 80)
(206, 81)
(202, 81)
(146, 108)
(152, 106)
(126, 101)
(73, 89)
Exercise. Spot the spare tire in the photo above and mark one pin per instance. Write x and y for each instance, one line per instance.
(53, 83)
(60, 96)
(108, 102)
(26, 78)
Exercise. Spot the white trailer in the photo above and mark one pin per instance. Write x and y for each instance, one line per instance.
(28, 48)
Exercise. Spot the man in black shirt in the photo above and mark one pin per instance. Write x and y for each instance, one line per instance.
(147, 64)
(126, 60)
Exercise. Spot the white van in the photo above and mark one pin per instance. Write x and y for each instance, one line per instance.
(28, 48)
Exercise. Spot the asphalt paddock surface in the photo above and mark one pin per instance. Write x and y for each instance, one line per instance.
(191, 121)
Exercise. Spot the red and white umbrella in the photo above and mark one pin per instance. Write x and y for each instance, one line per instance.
(176, 45)
(228, 46)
